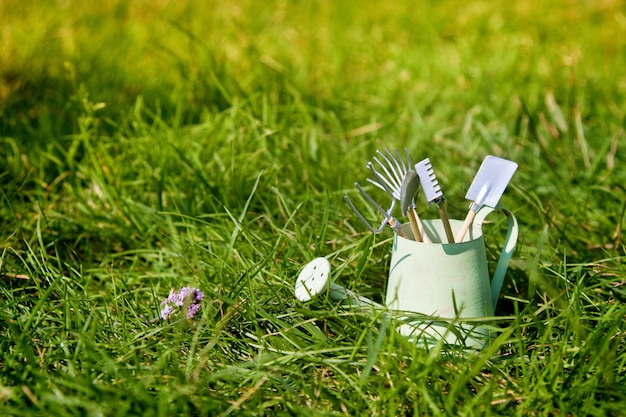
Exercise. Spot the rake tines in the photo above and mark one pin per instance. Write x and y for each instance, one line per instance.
(433, 193)
(393, 168)
(428, 180)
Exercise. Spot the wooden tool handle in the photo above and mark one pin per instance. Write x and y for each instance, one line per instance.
(421, 228)
(417, 235)
(466, 224)
(446, 223)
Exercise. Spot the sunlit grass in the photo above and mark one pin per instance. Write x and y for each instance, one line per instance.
(150, 146)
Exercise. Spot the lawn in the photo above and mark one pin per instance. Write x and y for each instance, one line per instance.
(149, 146)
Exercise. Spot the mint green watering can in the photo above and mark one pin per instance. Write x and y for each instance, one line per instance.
(447, 284)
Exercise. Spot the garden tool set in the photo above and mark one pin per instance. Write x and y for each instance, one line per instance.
(401, 181)
(439, 283)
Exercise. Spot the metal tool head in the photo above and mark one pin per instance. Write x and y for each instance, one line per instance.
(383, 183)
(428, 180)
(389, 169)
(363, 219)
(410, 185)
(490, 181)
(387, 216)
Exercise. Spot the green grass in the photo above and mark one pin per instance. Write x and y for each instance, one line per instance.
(151, 145)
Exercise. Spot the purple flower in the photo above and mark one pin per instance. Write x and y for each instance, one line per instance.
(193, 309)
(167, 310)
(186, 296)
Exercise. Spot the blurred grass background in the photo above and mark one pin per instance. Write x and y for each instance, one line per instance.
(456, 82)
(148, 145)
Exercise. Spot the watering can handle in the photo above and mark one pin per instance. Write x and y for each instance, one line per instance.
(507, 249)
